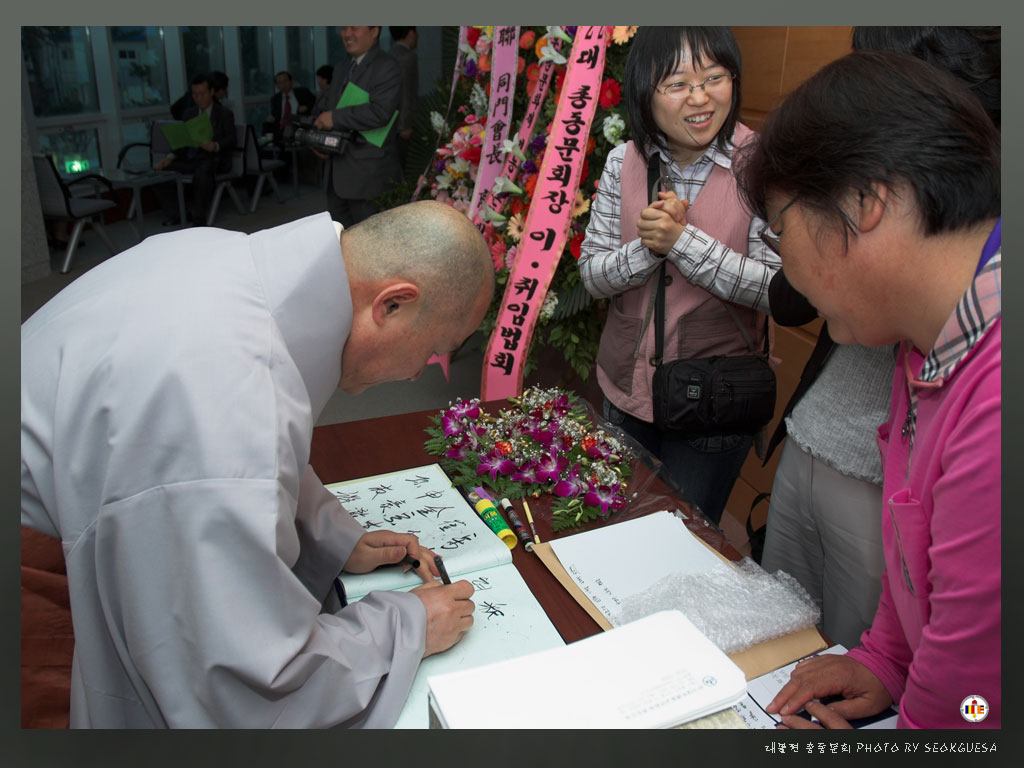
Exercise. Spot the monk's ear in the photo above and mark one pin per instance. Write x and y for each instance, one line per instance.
(396, 300)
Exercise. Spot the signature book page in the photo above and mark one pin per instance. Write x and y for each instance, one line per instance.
(507, 622)
(421, 501)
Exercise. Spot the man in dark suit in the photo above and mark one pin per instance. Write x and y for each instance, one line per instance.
(363, 171)
(219, 83)
(286, 104)
(205, 161)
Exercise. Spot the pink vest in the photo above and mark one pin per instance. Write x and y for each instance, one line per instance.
(697, 323)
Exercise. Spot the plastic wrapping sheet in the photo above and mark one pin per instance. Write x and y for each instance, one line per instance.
(736, 605)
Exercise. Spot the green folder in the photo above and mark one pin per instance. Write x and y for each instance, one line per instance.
(353, 96)
(191, 133)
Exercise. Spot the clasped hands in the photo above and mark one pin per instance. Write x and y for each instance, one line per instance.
(662, 222)
(829, 675)
(448, 606)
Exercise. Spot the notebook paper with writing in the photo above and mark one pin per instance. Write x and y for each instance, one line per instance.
(421, 501)
(508, 620)
(656, 672)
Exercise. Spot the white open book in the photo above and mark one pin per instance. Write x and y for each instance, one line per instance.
(656, 672)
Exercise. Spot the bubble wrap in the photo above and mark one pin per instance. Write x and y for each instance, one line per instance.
(735, 605)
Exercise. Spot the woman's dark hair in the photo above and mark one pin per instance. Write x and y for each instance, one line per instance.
(654, 54)
(878, 117)
(971, 54)
(326, 72)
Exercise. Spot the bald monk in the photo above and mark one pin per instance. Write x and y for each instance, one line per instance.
(168, 402)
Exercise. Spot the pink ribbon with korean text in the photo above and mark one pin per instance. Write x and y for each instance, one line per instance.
(504, 60)
(547, 222)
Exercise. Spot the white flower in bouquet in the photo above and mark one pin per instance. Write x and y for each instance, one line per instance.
(547, 309)
(478, 100)
(438, 124)
(612, 127)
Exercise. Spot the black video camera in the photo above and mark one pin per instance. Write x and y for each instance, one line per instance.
(301, 131)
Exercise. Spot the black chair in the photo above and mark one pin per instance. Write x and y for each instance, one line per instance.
(58, 203)
(225, 181)
(260, 167)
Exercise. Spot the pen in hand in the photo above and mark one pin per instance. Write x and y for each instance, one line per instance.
(411, 561)
(441, 569)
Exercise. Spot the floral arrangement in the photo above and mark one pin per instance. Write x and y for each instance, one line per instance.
(546, 443)
(571, 320)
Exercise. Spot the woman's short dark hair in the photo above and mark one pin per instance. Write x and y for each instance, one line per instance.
(654, 54)
(971, 54)
(878, 117)
(326, 72)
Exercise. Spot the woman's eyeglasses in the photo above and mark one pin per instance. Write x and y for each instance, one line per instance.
(681, 89)
(768, 237)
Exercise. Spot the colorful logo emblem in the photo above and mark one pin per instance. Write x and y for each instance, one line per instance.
(974, 708)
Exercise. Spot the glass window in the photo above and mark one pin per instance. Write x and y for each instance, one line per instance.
(204, 50)
(256, 113)
(335, 48)
(73, 151)
(137, 132)
(300, 56)
(138, 54)
(257, 60)
(58, 65)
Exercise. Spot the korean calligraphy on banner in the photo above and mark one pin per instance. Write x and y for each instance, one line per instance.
(510, 170)
(548, 219)
(504, 59)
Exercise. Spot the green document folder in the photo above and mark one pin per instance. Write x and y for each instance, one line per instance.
(353, 96)
(191, 133)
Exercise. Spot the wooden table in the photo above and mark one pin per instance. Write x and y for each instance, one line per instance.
(357, 449)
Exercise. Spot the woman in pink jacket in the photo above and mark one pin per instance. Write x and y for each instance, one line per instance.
(879, 178)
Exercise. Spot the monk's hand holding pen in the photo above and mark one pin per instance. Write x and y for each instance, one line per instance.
(449, 613)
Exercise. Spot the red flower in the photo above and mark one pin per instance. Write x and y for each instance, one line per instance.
(527, 39)
(611, 94)
(471, 154)
(533, 71)
(516, 205)
(473, 34)
(520, 65)
(530, 185)
(574, 245)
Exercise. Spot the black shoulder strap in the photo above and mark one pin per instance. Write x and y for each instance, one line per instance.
(653, 179)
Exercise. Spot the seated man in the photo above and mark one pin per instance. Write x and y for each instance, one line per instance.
(203, 162)
(168, 402)
(286, 104)
(219, 83)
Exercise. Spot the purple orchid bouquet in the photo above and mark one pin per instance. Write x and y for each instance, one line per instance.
(546, 443)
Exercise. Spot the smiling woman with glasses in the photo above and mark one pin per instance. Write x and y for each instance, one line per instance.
(682, 92)
(884, 174)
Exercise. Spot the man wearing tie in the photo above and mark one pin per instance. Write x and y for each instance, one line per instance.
(363, 171)
(286, 104)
